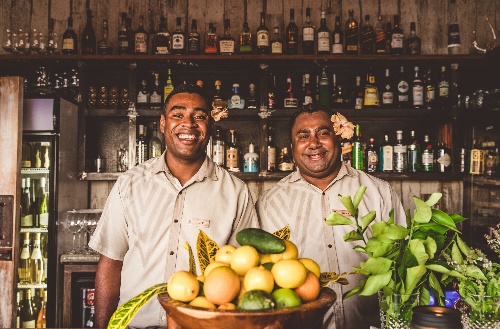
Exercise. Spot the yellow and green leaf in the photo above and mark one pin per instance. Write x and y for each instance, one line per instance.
(206, 249)
(192, 263)
(283, 234)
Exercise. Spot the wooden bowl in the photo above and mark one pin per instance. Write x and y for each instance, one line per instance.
(306, 316)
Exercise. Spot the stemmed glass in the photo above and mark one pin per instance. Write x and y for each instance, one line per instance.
(73, 224)
(92, 219)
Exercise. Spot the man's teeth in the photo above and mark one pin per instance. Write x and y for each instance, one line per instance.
(187, 136)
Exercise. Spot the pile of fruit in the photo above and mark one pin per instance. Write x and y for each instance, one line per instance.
(264, 273)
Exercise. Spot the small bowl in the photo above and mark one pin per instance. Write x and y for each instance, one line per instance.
(306, 316)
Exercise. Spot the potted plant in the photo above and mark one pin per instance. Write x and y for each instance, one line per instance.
(403, 263)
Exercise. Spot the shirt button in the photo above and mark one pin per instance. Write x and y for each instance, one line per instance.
(176, 221)
(163, 317)
(171, 253)
(323, 193)
(329, 246)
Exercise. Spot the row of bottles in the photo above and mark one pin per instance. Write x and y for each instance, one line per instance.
(227, 152)
(148, 148)
(403, 155)
(35, 155)
(481, 159)
(31, 308)
(34, 202)
(32, 267)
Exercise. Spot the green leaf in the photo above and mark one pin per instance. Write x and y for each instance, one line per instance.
(356, 289)
(422, 212)
(456, 274)
(347, 202)
(353, 236)
(375, 283)
(391, 217)
(432, 226)
(440, 268)
(337, 219)
(417, 248)
(358, 196)
(377, 248)
(377, 265)
(464, 248)
(395, 232)
(456, 255)
(424, 297)
(378, 228)
(122, 316)
(474, 272)
(360, 248)
(435, 285)
(433, 199)
(413, 277)
(430, 247)
(444, 219)
(457, 218)
(367, 219)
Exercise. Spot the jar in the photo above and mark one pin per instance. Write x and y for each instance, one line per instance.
(435, 317)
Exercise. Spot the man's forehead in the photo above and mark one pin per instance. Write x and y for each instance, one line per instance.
(187, 101)
(312, 121)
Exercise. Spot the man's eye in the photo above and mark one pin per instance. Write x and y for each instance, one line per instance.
(177, 115)
(201, 117)
(303, 137)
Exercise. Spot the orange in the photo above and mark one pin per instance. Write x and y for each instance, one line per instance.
(309, 290)
(183, 286)
(289, 273)
(213, 265)
(222, 285)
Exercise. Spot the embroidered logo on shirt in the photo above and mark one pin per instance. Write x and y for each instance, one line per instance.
(199, 222)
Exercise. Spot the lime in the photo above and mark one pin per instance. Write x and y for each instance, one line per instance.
(286, 297)
(256, 300)
(268, 266)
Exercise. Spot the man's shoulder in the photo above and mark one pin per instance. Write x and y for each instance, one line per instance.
(225, 177)
(365, 178)
(283, 186)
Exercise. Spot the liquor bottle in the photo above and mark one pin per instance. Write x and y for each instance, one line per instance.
(251, 101)
(43, 209)
(272, 100)
(285, 161)
(28, 316)
(324, 89)
(251, 160)
(178, 38)
(290, 101)
(263, 35)
(417, 87)
(387, 91)
(162, 42)
(358, 151)
(308, 94)
(337, 98)
(141, 38)
(235, 101)
(443, 158)
(400, 153)
(104, 46)
(403, 90)
(193, 39)
(414, 154)
(36, 261)
(271, 150)
(41, 321)
(453, 95)
(453, 39)
(443, 89)
(18, 309)
(379, 37)
(346, 155)
(413, 44)
(388, 37)
(386, 156)
(371, 156)
(26, 155)
(276, 43)
(427, 155)
(123, 36)
(246, 40)
(88, 36)
(45, 255)
(397, 38)
(26, 203)
(371, 97)
(168, 87)
(337, 38)
(52, 42)
(155, 98)
(91, 319)
(367, 37)
(143, 95)
(70, 40)
(218, 147)
(308, 35)
(292, 35)
(154, 144)
(24, 269)
(217, 100)
(351, 34)
(232, 153)
(430, 90)
(141, 152)
(358, 94)
(323, 36)
(211, 40)
(226, 42)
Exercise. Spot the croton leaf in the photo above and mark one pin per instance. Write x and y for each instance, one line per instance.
(206, 249)
(422, 212)
(358, 196)
(192, 263)
(283, 234)
(338, 219)
(374, 283)
(326, 278)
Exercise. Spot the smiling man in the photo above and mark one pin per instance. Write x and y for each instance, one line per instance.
(157, 207)
(303, 199)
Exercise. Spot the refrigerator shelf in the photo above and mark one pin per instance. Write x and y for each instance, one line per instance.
(34, 230)
(28, 171)
(36, 286)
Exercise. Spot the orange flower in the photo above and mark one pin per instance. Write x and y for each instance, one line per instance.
(342, 126)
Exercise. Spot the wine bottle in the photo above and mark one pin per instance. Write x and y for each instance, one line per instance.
(43, 211)
(123, 36)
(271, 150)
(232, 153)
(403, 90)
(141, 146)
(323, 36)
(141, 38)
(36, 261)
(26, 203)
(143, 95)
(290, 101)
(162, 42)
(337, 38)
(417, 90)
(155, 98)
(430, 90)
(218, 147)
(251, 102)
(217, 99)
(24, 268)
(246, 40)
(154, 144)
(387, 91)
(397, 38)
(88, 36)
(371, 157)
(308, 35)
(413, 43)
(28, 316)
(379, 37)
(286, 163)
(226, 42)
(292, 35)
(367, 37)
(276, 44)
(41, 321)
(70, 40)
(52, 42)
(263, 35)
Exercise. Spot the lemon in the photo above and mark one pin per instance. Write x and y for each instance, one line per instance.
(255, 300)
(289, 273)
(291, 252)
(311, 265)
(183, 286)
(211, 266)
(225, 253)
(259, 278)
(244, 258)
(203, 302)
(265, 258)
(227, 306)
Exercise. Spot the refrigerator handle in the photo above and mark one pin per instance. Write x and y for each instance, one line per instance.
(6, 222)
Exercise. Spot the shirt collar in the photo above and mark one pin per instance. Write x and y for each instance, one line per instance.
(207, 169)
(344, 171)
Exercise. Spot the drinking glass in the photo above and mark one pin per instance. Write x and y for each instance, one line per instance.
(7, 41)
(74, 227)
(395, 309)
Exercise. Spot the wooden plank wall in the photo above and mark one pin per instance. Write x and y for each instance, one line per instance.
(432, 16)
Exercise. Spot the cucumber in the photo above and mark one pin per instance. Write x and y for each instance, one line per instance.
(263, 241)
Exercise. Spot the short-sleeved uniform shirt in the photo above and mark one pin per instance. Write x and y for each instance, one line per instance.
(303, 207)
(149, 216)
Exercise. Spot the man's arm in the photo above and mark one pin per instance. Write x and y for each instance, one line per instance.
(107, 289)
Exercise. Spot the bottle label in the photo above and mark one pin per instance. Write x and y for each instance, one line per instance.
(430, 95)
(178, 41)
(44, 220)
(358, 103)
(251, 165)
(194, 44)
(397, 40)
(162, 50)
(262, 38)
(403, 87)
(286, 166)
(226, 46)
(69, 44)
(388, 158)
(387, 98)
(308, 99)
(26, 163)
(218, 154)
(308, 34)
(142, 98)
(232, 158)
(271, 158)
(290, 103)
(28, 324)
(444, 160)
(141, 45)
(418, 95)
(27, 221)
(25, 253)
(155, 98)
(371, 96)
(323, 41)
(167, 90)
(235, 101)
(427, 159)
(337, 48)
(277, 48)
(443, 91)
(372, 158)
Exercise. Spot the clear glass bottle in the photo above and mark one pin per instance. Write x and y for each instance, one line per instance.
(337, 38)
(271, 150)
(217, 100)
(141, 146)
(88, 36)
(178, 38)
(143, 94)
(162, 43)
(155, 98)
(193, 47)
(226, 42)
(24, 267)
(218, 147)
(358, 94)
(26, 203)
(413, 43)
(276, 44)
(123, 36)
(307, 92)
(246, 40)
(323, 36)
(443, 158)
(52, 40)
(36, 261)
(236, 101)
(367, 35)
(403, 90)
(211, 41)
(400, 153)
(263, 35)
(379, 37)
(292, 35)
(43, 208)
(272, 100)
(154, 145)
(417, 87)
(371, 96)
(308, 34)
(251, 160)
(443, 89)
(232, 153)
(387, 90)
(414, 154)
(397, 38)
(427, 155)
(251, 101)
(104, 46)
(386, 156)
(141, 38)
(41, 321)
(430, 90)
(70, 40)
(371, 157)
(351, 34)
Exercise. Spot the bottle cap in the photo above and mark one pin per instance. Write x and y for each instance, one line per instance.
(251, 148)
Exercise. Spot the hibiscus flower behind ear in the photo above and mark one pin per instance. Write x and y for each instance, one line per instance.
(342, 126)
